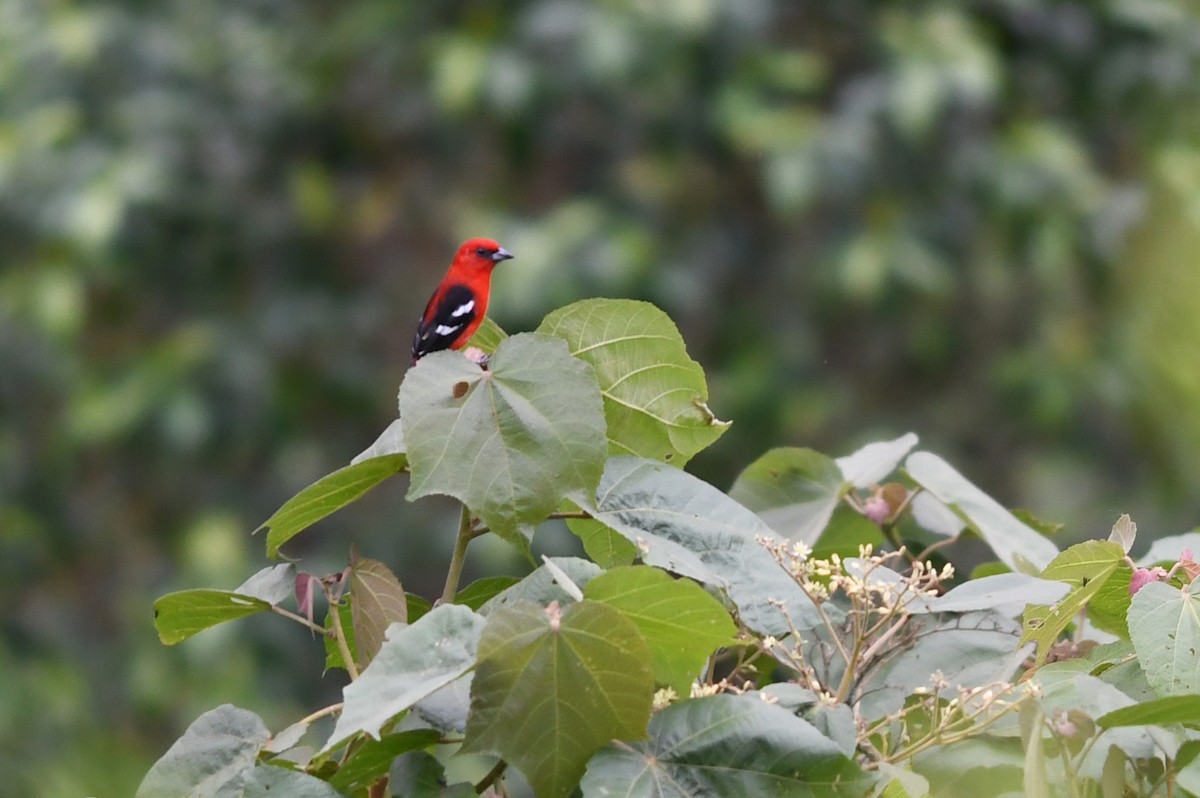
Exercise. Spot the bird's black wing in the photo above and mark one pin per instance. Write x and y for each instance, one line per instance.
(442, 323)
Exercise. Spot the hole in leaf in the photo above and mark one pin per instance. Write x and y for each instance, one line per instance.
(460, 389)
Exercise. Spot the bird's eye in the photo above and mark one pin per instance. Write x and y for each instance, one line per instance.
(482, 252)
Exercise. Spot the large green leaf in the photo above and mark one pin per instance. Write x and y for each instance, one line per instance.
(1015, 543)
(681, 622)
(794, 491)
(1085, 567)
(378, 602)
(178, 616)
(655, 396)
(725, 745)
(413, 662)
(212, 757)
(510, 442)
(327, 495)
(1164, 625)
(1172, 709)
(688, 527)
(553, 686)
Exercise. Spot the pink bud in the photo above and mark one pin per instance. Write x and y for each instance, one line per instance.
(876, 509)
(1185, 555)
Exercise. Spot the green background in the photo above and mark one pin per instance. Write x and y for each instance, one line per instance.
(979, 221)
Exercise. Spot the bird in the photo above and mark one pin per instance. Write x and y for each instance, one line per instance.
(459, 304)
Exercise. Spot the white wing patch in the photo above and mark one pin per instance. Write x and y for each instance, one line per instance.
(443, 329)
(463, 309)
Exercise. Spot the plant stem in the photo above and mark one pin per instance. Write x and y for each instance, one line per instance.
(490, 778)
(300, 619)
(465, 533)
(332, 709)
(339, 634)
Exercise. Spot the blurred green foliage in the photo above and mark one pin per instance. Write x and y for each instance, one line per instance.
(976, 220)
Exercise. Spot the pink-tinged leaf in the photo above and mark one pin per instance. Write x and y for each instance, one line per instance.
(304, 594)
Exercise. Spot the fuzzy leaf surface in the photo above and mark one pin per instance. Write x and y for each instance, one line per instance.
(509, 442)
(686, 526)
(1164, 626)
(725, 745)
(211, 759)
(553, 686)
(414, 661)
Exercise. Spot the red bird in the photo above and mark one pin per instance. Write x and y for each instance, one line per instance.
(457, 307)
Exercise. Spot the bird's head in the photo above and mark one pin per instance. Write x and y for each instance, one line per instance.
(481, 253)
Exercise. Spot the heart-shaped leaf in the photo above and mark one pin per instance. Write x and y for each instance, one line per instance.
(553, 686)
(509, 442)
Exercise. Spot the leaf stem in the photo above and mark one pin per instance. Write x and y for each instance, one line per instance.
(465, 533)
(490, 778)
(300, 619)
(332, 709)
(339, 634)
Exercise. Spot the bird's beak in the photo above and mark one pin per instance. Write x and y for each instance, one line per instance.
(501, 254)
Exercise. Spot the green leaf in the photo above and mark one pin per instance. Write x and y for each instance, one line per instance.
(1085, 567)
(1164, 625)
(1160, 711)
(481, 591)
(655, 396)
(212, 757)
(413, 662)
(688, 527)
(1108, 610)
(725, 745)
(327, 495)
(379, 601)
(510, 442)
(552, 686)
(418, 774)
(178, 616)
(488, 336)
(390, 441)
(373, 758)
(875, 461)
(1014, 542)
(794, 491)
(682, 623)
(606, 547)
